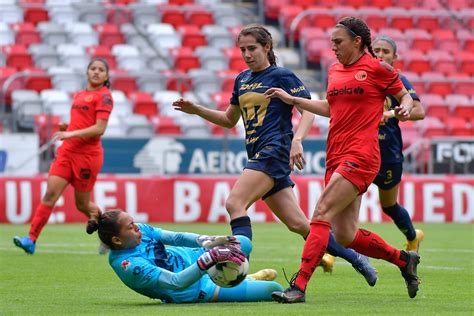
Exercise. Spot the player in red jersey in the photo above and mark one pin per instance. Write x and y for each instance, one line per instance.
(357, 87)
(79, 159)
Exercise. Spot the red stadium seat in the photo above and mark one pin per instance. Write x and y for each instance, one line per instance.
(221, 99)
(382, 4)
(406, 4)
(462, 84)
(272, 8)
(435, 106)
(17, 56)
(459, 5)
(227, 77)
(287, 15)
(177, 80)
(420, 39)
(314, 40)
(426, 20)
(467, 40)
(466, 62)
(109, 34)
(324, 20)
(200, 17)
(356, 3)
(5, 73)
(399, 18)
(458, 126)
(180, 2)
(120, 80)
(46, 126)
(120, 16)
(375, 18)
(236, 61)
(442, 62)
(38, 82)
(184, 59)
(192, 36)
(103, 52)
(446, 40)
(433, 127)
(165, 125)
(461, 105)
(436, 83)
(416, 81)
(143, 104)
(416, 61)
(172, 14)
(26, 34)
(35, 15)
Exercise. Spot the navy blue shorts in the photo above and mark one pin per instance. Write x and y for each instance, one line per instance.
(277, 168)
(389, 175)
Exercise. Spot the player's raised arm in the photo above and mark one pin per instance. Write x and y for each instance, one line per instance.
(227, 118)
(319, 107)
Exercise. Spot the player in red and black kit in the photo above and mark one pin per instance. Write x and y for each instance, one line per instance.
(357, 87)
(79, 159)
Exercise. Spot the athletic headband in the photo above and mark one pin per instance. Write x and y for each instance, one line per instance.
(387, 39)
(342, 25)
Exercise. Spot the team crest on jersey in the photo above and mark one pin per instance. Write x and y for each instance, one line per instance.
(361, 75)
(125, 265)
(88, 98)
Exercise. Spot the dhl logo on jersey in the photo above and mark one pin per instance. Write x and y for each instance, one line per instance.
(252, 86)
(297, 89)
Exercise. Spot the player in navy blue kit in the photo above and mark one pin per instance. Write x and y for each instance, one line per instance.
(272, 148)
(391, 145)
(176, 274)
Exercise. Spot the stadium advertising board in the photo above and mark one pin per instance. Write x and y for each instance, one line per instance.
(214, 156)
(189, 199)
(19, 154)
(452, 156)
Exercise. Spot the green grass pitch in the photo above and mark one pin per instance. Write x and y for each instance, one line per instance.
(67, 277)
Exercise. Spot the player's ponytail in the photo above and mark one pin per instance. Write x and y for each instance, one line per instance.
(357, 27)
(106, 65)
(109, 226)
(262, 36)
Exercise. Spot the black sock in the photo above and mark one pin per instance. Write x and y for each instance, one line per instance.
(242, 226)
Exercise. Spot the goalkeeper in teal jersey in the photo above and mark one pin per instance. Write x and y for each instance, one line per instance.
(177, 274)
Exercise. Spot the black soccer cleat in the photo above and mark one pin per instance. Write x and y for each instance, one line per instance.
(293, 294)
(289, 296)
(409, 273)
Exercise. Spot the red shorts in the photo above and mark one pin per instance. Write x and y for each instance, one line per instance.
(78, 169)
(353, 172)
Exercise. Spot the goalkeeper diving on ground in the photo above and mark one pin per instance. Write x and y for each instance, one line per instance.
(177, 274)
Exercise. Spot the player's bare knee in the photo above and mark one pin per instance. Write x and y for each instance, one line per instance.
(343, 238)
(50, 197)
(233, 205)
(299, 227)
(82, 206)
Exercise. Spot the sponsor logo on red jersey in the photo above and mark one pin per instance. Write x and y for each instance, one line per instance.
(345, 91)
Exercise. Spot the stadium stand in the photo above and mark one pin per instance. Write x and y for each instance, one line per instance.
(160, 50)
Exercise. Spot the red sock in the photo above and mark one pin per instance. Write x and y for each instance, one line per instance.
(372, 245)
(313, 251)
(40, 219)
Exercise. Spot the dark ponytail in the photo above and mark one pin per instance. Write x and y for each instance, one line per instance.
(109, 226)
(263, 37)
(106, 65)
(357, 27)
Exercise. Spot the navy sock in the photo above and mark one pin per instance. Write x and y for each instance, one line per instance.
(242, 226)
(336, 250)
(402, 219)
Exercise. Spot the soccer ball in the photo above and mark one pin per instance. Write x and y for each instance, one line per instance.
(228, 273)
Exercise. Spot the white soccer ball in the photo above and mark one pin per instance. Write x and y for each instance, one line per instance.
(228, 274)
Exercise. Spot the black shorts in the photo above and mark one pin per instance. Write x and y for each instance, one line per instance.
(390, 174)
(279, 169)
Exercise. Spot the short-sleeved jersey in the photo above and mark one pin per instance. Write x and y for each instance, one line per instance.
(87, 107)
(140, 267)
(356, 94)
(267, 121)
(390, 136)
